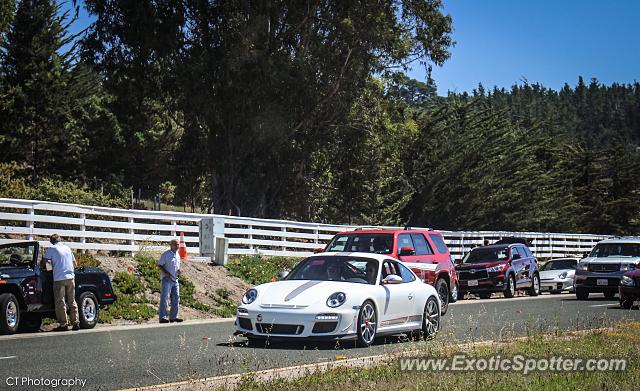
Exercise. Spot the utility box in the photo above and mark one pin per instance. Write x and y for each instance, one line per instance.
(222, 251)
(210, 229)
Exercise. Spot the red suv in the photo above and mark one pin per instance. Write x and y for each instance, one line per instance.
(411, 245)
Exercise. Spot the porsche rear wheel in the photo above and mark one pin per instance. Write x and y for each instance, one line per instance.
(367, 324)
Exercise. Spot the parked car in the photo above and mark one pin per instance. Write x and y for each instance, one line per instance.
(556, 275)
(602, 269)
(629, 290)
(341, 296)
(499, 268)
(26, 290)
(410, 245)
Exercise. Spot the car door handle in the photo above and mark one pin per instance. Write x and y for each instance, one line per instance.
(410, 296)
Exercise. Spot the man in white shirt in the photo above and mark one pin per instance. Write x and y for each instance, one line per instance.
(169, 265)
(64, 288)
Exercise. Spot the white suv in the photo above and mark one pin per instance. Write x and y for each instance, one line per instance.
(601, 270)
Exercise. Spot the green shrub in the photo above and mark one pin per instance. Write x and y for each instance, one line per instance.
(86, 260)
(128, 284)
(187, 289)
(256, 269)
(148, 268)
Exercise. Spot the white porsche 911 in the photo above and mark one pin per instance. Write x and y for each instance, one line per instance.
(341, 296)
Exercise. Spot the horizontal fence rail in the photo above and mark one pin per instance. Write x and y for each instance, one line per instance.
(130, 230)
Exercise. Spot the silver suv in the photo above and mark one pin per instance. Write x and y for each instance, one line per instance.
(601, 270)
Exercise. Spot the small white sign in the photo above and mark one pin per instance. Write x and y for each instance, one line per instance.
(602, 281)
(473, 283)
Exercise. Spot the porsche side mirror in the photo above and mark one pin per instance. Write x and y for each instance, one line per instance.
(392, 279)
(407, 251)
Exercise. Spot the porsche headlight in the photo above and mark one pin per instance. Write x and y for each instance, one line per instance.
(562, 276)
(250, 296)
(336, 300)
(628, 281)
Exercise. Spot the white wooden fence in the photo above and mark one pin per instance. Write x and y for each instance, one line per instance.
(129, 230)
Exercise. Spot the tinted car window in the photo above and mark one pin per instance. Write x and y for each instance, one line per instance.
(421, 245)
(405, 273)
(616, 250)
(338, 244)
(404, 240)
(439, 242)
(560, 264)
(514, 252)
(486, 254)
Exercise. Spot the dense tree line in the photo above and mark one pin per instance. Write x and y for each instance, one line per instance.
(301, 110)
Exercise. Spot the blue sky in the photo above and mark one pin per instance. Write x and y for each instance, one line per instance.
(502, 42)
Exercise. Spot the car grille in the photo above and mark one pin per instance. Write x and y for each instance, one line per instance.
(604, 267)
(324, 327)
(245, 323)
(473, 274)
(284, 329)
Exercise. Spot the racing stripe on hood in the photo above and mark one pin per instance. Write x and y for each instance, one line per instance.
(301, 289)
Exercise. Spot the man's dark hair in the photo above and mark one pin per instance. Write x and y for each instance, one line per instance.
(55, 238)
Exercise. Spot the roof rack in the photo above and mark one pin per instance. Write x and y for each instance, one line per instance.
(408, 227)
(368, 228)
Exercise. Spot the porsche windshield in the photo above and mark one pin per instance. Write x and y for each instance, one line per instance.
(604, 250)
(364, 243)
(560, 264)
(486, 254)
(348, 269)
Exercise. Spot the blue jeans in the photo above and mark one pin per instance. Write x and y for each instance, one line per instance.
(169, 288)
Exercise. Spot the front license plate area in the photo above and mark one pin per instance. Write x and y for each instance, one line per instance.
(473, 283)
(602, 281)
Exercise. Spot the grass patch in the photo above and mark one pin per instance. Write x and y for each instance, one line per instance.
(623, 342)
(257, 270)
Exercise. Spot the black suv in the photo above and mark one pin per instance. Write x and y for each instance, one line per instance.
(504, 267)
(26, 290)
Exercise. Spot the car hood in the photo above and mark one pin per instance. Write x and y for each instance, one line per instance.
(611, 260)
(302, 293)
(549, 274)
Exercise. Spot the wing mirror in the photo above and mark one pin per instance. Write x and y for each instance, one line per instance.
(392, 279)
(283, 274)
(585, 255)
(407, 251)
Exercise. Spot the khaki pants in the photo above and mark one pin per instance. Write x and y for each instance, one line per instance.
(64, 293)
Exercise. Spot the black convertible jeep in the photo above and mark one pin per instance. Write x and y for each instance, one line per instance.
(26, 290)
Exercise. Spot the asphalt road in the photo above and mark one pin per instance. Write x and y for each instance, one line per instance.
(122, 357)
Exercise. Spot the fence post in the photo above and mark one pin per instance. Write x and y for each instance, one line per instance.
(316, 232)
(30, 224)
(132, 232)
(83, 229)
(250, 236)
(284, 239)
(174, 228)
